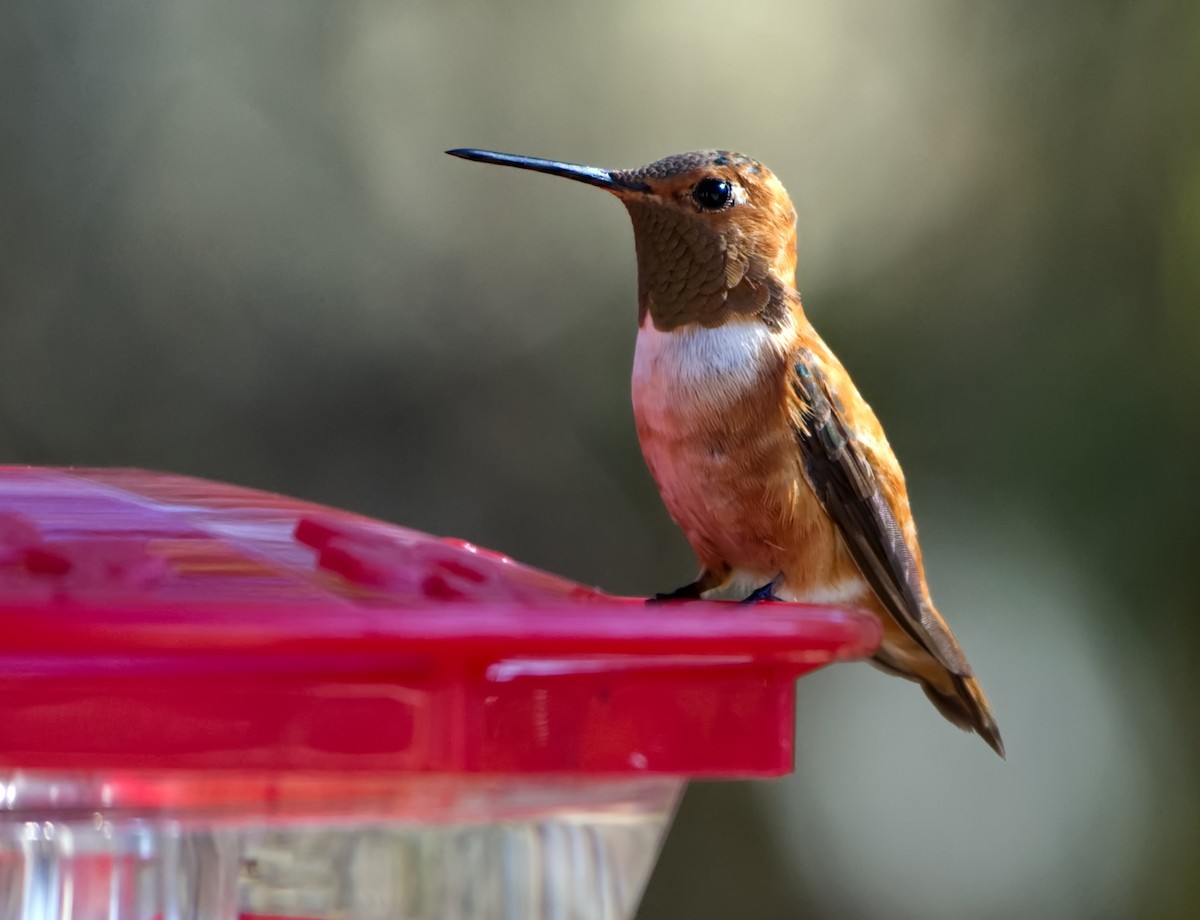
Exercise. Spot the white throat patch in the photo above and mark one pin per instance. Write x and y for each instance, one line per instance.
(698, 364)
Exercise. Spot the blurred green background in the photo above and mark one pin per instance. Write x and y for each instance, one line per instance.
(230, 245)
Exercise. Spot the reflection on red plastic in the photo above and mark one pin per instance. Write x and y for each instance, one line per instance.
(154, 622)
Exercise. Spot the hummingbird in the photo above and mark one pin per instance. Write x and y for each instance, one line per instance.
(764, 452)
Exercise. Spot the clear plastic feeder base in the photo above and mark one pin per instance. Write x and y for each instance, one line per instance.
(483, 850)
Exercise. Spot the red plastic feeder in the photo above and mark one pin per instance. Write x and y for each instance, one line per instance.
(220, 702)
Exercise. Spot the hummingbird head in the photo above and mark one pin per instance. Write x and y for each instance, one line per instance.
(715, 234)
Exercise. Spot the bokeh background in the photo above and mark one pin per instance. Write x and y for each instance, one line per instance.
(230, 245)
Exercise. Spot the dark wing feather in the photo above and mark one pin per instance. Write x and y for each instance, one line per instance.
(846, 485)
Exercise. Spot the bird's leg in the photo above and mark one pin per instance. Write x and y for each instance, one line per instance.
(766, 592)
(708, 580)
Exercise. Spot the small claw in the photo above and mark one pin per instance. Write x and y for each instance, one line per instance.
(765, 593)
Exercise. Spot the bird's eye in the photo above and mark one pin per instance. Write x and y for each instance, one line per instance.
(712, 194)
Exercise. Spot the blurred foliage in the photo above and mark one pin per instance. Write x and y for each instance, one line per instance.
(230, 245)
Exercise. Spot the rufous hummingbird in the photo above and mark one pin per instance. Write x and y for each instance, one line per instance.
(765, 454)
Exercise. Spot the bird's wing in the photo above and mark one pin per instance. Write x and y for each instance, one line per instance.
(847, 486)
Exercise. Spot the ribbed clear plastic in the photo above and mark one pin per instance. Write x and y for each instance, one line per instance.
(567, 851)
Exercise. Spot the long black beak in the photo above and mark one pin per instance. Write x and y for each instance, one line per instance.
(601, 178)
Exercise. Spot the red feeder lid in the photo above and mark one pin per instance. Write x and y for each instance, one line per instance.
(156, 622)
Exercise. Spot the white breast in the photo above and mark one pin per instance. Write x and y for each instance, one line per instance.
(696, 368)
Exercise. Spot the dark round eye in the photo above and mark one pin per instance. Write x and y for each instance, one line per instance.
(712, 194)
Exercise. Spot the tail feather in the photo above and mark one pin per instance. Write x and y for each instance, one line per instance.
(962, 701)
(958, 697)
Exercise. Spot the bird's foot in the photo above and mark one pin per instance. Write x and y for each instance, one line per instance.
(710, 578)
(765, 593)
(689, 592)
